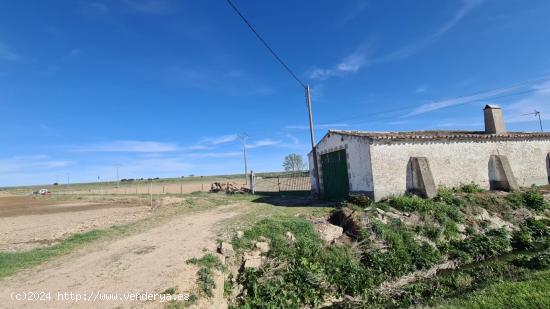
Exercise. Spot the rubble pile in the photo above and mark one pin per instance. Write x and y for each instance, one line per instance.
(229, 188)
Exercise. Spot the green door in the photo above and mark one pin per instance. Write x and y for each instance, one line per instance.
(335, 175)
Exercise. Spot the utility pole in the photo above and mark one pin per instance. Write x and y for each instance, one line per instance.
(243, 137)
(117, 178)
(536, 113)
(68, 179)
(312, 136)
(302, 84)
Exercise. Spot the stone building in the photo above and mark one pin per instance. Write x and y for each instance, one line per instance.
(382, 164)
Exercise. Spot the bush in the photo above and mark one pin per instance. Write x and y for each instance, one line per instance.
(539, 229)
(471, 188)
(359, 200)
(404, 254)
(522, 240)
(481, 247)
(534, 200)
(538, 261)
(515, 199)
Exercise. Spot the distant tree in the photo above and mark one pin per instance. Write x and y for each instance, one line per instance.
(294, 163)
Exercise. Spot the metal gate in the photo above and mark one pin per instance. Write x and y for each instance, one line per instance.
(335, 175)
(283, 182)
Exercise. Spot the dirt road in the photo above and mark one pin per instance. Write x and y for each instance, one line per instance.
(151, 261)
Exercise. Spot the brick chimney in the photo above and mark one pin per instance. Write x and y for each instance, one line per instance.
(494, 122)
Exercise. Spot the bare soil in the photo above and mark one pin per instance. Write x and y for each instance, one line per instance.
(29, 222)
(150, 261)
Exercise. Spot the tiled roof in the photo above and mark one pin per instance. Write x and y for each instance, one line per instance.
(442, 135)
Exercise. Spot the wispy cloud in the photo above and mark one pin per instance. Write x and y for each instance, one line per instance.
(6, 53)
(229, 81)
(149, 6)
(213, 154)
(421, 89)
(224, 139)
(31, 163)
(538, 100)
(127, 146)
(263, 143)
(433, 106)
(363, 56)
(293, 138)
(350, 64)
(352, 12)
(317, 126)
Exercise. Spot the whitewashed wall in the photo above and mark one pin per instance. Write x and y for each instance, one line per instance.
(453, 164)
(358, 160)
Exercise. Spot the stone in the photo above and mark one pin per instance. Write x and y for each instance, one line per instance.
(240, 234)
(226, 249)
(252, 259)
(263, 246)
(290, 237)
(329, 232)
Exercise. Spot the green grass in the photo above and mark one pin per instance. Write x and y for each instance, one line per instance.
(10, 262)
(529, 293)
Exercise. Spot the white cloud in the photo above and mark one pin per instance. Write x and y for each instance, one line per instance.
(350, 64)
(224, 139)
(421, 89)
(430, 107)
(149, 6)
(263, 143)
(127, 146)
(213, 154)
(538, 100)
(6, 53)
(293, 139)
(361, 57)
(350, 14)
(31, 163)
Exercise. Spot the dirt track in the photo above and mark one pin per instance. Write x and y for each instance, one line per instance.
(151, 261)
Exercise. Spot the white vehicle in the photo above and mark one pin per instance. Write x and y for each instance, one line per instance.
(43, 191)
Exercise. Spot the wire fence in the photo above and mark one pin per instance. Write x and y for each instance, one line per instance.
(286, 182)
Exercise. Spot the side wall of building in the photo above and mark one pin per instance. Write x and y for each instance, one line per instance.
(456, 163)
(358, 161)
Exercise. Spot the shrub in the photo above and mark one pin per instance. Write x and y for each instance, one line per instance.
(471, 188)
(538, 261)
(359, 200)
(522, 240)
(515, 199)
(480, 247)
(538, 228)
(534, 200)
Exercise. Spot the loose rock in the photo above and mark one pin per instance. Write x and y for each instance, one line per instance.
(329, 232)
(226, 249)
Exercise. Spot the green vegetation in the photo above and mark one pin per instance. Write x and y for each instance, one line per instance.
(529, 293)
(10, 262)
(386, 245)
(205, 275)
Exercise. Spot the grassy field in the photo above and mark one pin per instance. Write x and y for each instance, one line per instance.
(533, 292)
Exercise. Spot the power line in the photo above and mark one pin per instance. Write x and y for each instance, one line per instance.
(266, 45)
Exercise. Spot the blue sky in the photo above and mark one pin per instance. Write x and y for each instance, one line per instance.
(162, 88)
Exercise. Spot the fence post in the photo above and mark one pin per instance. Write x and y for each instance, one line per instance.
(181, 188)
(252, 182)
(279, 184)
